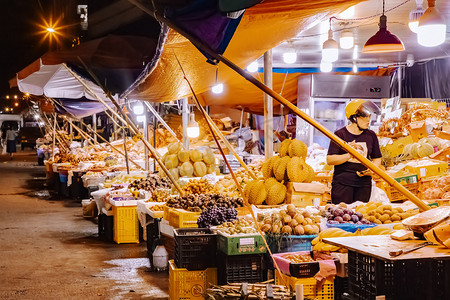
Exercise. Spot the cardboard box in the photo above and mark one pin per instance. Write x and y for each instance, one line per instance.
(437, 168)
(306, 194)
(418, 130)
(407, 179)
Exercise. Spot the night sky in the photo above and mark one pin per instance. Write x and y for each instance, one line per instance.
(20, 43)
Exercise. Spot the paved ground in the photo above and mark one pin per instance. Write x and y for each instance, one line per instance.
(49, 251)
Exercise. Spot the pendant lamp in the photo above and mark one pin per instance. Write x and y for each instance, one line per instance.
(415, 15)
(330, 49)
(383, 41)
(432, 28)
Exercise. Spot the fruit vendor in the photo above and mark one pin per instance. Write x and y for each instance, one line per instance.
(352, 180)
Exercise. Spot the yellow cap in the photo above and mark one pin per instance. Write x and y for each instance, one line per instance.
(353, 106)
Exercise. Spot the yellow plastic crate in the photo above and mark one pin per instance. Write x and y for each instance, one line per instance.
(309, 287)
(126, 224)
(180, 218)
(189, 285)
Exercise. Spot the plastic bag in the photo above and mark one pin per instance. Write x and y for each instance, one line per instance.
(378, 195)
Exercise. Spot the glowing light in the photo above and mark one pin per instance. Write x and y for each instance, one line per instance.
(16, 104)
(253, 67)
(15, 96)
(7, 96)
(355, 68)
(51, 30)
(289, 57)
(140, 119)
(193, 130)
(355, 52)
(326, 66)
(218, 88)
(138, 108)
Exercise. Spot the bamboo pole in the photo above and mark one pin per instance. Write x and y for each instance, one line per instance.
(366, 162)
(155, 113)
(125, 120)
(113, 147)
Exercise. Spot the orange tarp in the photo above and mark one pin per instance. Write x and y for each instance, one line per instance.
(263, 27)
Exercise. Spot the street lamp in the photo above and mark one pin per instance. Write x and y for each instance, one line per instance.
(50, 29)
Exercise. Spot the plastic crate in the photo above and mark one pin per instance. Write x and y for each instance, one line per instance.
(180, 218)
(106, 227)
(340, 287)
(310, 290)
(126, 224)
(195, 248)
(240, 268)
(240, 244)
(189, 285)
(394, 195)
(301, 270)
(291, 243)
(399, 279)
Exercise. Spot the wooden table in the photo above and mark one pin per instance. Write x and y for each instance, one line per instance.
(378, 246)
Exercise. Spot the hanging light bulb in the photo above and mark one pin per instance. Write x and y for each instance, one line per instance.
(218, 88)
(346, 39)
(415, 15)
(432, 28)
(355, 68)
(253, 67)
(193, 131)
(330, 48)
(383, 41)
(138, 108)
(289, 57)
(140, 119)
(326, 66)
(355, 52)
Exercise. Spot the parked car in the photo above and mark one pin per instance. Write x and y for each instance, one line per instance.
(28, 136)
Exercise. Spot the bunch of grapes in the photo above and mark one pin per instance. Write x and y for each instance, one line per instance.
(336, 215)
(213, 216)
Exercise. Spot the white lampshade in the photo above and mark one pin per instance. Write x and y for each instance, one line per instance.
(432, 28)
(415, 15)
(218, 88)
(330, 49)
(138, 108)
(253, 67)
(355, 68)
(346, 40)
(326, 66)
(193, 130)
(289, 57)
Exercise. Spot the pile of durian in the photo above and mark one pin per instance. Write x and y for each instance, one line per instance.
(189, 163)
(288, 166)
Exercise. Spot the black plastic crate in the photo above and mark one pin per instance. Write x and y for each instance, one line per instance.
(106, 227)
(240, 268)
(398, 279)
(195, 248)
(340, 287)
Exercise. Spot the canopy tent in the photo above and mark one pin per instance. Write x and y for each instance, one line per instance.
(79, 108)
(261, 28)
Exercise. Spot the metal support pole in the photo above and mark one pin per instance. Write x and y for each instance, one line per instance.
(268, 106)
(161, 120)
(399, 78)
(70, 130)
(185, 120)
(54, 136)
(94, 125)
(145, 124)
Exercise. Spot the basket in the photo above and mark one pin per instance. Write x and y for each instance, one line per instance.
(299, 270)
(126, 224)
(180, 218)
(394, 195)
(240, 268)
(195, 248)
(189, 285)
(399, 279)
(310, 290)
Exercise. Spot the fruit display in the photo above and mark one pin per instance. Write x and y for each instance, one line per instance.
(189, 163)
(290, 221)
(439, 189)
(123, 178)
(337, 214)
(237, 226)
(288, 166)
(216, 215)
(227, 185)
(160, 195)
(199, 186)
(157, 207)
(199, 202)
(150, 183)
(379, 213)
(319, 245)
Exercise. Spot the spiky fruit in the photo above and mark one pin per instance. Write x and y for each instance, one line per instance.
(267, 167)
(281, 169)
(258, 193)
(284, 147)
(297, 148)
(276, 161)
(248, 188)
(276, 194)
(297, 170)
(311, 174)
(270, 182)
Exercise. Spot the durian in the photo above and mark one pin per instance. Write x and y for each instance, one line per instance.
(297, 148)
(297, 170)
(276, 194)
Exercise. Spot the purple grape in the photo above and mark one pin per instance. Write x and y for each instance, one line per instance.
(333, 222)
(360, 215)
(347, 211)
(338, 212)
(339, 219)
(355, 218)
(346, 217)
(359, 223)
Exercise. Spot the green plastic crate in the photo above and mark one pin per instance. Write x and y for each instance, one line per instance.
(239, 244)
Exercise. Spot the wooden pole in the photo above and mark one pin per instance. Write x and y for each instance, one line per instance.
(161, 120)
(156, 14)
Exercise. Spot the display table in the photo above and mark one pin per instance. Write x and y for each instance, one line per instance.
(421, 274)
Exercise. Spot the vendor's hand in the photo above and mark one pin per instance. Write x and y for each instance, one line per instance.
(367, 172)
